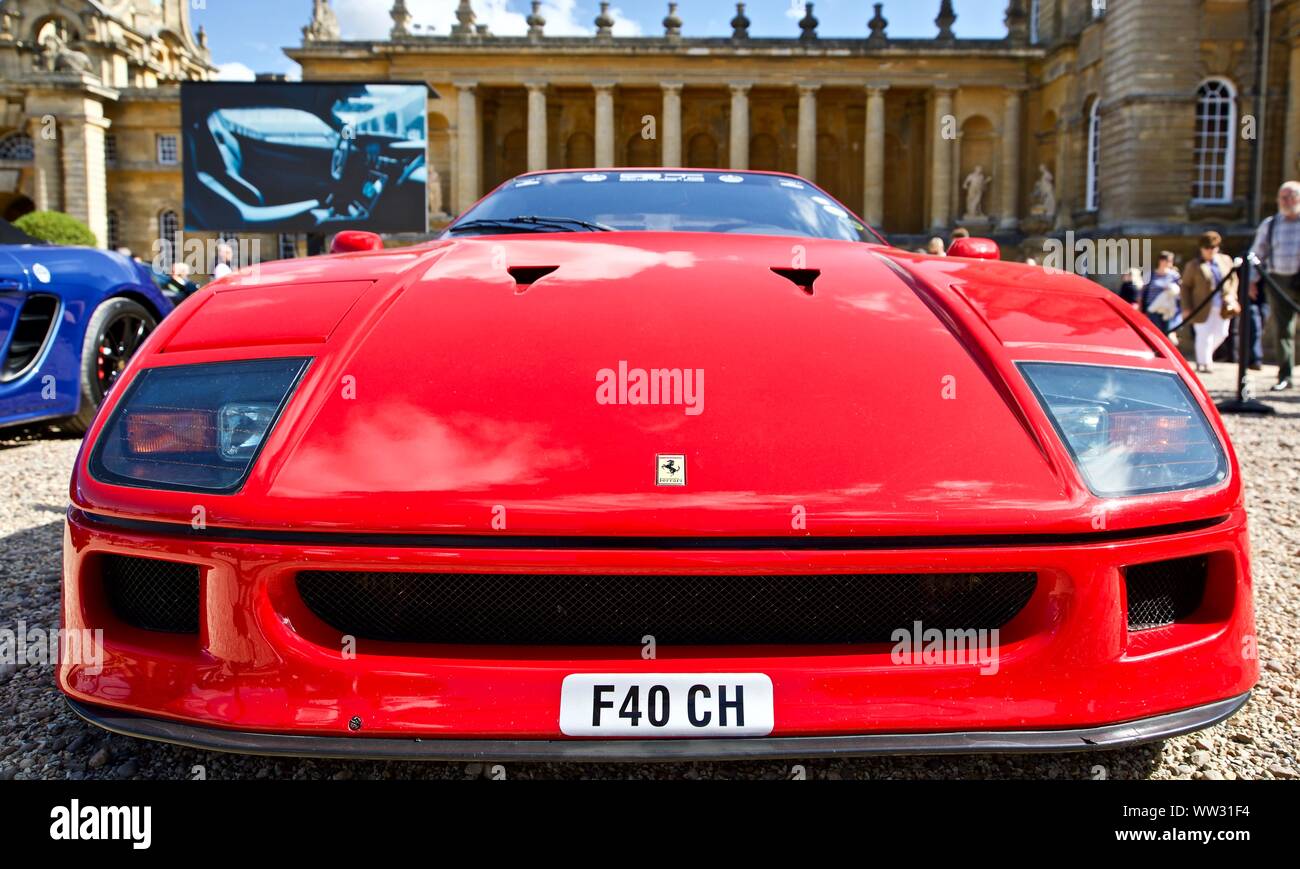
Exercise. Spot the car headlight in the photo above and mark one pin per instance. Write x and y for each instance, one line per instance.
(194, 427)
(1131, 431)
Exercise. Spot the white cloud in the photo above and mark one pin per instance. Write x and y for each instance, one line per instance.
(369, 19)
(234, 71)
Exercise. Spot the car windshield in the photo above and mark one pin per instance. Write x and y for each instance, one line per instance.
(662, 201)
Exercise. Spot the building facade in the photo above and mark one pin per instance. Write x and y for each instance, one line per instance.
(89, 113)
(1109, 118)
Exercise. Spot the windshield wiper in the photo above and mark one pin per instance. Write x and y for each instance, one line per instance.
(533, 223)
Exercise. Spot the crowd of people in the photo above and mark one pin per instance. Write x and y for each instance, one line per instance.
(1206, 294)
(182, 274)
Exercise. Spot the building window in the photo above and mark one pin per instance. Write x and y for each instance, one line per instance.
(17, 147)
(110, 149)
(1034, 19)
(1216, 124)
(168, 153)
(1098, 8)
(288, 245)
(169, 238)
(1092, 198)
(114, 239)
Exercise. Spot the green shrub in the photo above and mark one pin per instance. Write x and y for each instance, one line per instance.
(56, 228)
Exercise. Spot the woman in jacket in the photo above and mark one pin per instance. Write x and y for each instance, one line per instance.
(1209, 307)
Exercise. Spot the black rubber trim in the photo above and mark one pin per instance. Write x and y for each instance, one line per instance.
(1108, 736)
(537, 541)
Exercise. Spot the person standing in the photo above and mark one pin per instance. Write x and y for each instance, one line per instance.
(1162, 297)
(1277, 245)
(1209, 298)
(1131, 290)
(225, 260)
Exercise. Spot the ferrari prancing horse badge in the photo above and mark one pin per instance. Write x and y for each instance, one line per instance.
(670, 470)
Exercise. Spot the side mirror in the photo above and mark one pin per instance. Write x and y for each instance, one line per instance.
(353, 240)
(975, 248)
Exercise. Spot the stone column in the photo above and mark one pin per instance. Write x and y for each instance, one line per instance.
(467, 145)
(873, 147)
(1291, 152)
(941, 171)
(671, 128)
(740, 125)
(536, 125)
(48, 181)
(85, 185)
(1065, 170)
(807, 144)
(604, 123)
(1009, 172)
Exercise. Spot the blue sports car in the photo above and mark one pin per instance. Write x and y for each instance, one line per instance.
(70, 318)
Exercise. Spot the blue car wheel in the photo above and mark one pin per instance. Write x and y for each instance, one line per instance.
(115, 331)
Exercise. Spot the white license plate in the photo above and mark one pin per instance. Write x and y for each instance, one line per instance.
(666, 704)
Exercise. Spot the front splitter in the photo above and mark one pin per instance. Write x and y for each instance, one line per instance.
(1107, 736)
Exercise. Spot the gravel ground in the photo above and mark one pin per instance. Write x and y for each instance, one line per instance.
(40, 738)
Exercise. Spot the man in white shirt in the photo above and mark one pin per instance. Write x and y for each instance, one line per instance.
(1277, 244)
(225, 257)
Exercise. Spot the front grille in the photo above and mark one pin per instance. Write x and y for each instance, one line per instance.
(30, 334)
(1164, 592)
(534, 609)
(152, 594)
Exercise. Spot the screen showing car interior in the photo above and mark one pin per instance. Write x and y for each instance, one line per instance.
(304, 156)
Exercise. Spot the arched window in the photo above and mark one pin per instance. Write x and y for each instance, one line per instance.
(18, 147)
(764, 153)
(1216, 124)
(580, 151)
(169, 237)
(702, 151)
(114, 240)
(641, 151)
(1092, 197)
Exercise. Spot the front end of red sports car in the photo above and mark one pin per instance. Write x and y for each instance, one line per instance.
(668, 472)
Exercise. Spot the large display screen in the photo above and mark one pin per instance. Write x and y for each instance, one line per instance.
(304, 156)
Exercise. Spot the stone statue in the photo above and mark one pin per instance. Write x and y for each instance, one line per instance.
(434, 180)
(324, 24)
(57, 57)
(9, 18)
(975, 185)
(1044, 195)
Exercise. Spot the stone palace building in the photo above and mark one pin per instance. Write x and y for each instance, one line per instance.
(1107, 118)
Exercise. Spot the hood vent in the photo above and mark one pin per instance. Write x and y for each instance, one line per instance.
(526, 276)
(801, 278)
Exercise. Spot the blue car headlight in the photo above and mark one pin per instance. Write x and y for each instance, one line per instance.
(194, 427)
(1131, 431)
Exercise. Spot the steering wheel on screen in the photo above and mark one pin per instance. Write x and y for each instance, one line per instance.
(341, 157)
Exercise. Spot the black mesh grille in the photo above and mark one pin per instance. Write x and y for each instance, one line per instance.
(151, 594)
(510, 609)
(1163, 592)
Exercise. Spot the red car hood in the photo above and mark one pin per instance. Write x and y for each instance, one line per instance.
(447, 397)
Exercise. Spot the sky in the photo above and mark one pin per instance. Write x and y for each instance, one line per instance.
(248, 36)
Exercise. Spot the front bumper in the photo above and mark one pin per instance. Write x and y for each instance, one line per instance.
(1110, 736)
(260, 677)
